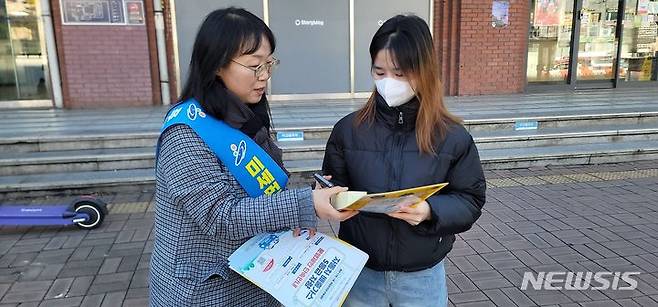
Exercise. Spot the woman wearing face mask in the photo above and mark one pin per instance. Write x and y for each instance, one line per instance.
(220, 177)
(405, 137)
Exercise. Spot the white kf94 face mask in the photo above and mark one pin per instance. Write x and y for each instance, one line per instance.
(395, 92)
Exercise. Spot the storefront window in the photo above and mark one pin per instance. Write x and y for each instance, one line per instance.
(23, 62)
(597, 50)
(549, 40)
(639, 50)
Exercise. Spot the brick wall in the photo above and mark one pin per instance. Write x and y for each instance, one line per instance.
(103, 66)
(446, 41)
(492, 60)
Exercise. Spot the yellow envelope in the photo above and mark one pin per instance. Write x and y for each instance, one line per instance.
(383, 202)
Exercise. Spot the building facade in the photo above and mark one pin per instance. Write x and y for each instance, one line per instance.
(118, 53)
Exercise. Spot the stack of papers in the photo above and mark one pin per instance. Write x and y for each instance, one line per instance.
(300, 271)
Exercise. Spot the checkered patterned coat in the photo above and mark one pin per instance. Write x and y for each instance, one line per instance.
(202, 216)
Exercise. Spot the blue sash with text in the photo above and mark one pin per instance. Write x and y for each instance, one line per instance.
(254, 169)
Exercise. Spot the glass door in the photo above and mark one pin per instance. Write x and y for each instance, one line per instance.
(598, 43)
(23, 62)
(639, 49)
(549, 41)
(7, 65)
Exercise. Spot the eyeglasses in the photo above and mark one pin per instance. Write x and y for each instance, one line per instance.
(260, 70)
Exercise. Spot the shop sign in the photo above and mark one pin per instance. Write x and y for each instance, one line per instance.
(135, 12)
(309, 23)
(102, 12)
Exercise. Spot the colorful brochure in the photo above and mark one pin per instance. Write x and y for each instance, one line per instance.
(300, 271)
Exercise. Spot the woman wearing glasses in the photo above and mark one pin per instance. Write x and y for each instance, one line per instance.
(405, 137)
(219, 176)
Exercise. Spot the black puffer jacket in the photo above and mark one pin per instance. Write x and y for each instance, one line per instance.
(384, 157)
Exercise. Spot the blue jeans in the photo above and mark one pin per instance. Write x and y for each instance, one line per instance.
(399, 289)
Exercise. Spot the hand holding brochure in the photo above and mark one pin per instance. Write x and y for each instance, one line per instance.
(300, 271)
(383, 202)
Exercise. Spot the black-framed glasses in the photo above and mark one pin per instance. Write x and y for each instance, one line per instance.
(260, 70)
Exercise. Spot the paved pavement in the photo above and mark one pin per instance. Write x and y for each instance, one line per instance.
(581, 219)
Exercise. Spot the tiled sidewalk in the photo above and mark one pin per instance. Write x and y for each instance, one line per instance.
(579, 219)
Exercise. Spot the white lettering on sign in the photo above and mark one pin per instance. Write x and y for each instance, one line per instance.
(304, 22)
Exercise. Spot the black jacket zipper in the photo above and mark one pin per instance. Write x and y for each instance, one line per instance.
(398, 153)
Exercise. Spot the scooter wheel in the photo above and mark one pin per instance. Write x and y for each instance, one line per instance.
(95, 209)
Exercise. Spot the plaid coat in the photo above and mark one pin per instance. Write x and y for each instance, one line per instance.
(202, 216)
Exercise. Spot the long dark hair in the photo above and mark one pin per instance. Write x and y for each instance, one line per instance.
(409, 41)
(223, 35)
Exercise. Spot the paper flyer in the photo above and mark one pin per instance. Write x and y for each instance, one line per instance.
(300, 271)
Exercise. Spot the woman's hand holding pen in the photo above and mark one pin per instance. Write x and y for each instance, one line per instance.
(323, 208)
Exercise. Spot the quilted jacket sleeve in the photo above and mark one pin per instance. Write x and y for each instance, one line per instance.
(456, 209)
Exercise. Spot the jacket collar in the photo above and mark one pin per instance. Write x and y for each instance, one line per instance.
(401, 117)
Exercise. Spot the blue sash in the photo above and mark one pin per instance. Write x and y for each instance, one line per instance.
(254, 169)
